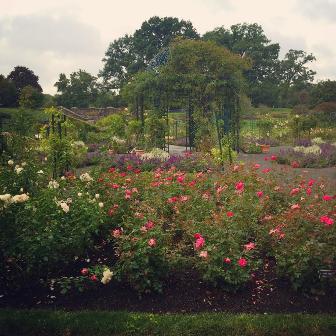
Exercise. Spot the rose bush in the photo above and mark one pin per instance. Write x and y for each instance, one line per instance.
(141, 227)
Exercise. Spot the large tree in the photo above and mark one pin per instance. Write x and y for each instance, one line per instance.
(131, 53)
(22, 76)
(294, 73)
(249, 40)
(80, 90)
(324, 91)
(8, 94)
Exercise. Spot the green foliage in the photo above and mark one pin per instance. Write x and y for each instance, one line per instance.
(132, 53)
(80, 90)
(155, 130)
(22, 76)
(8, 94)
(134, 132)
(324, 91)
(30, 98)
(114, 124)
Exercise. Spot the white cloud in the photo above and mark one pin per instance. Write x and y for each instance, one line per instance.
(318, 9)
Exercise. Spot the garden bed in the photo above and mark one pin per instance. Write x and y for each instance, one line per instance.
(166, 239)
(184, 293)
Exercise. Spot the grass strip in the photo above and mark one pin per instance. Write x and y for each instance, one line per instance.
(51, 322)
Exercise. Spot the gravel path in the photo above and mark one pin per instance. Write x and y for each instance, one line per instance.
(327, 174)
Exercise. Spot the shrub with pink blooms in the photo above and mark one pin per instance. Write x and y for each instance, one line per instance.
(145, 227)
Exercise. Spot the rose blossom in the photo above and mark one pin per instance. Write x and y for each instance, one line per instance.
(152, 242)
(242, 262)
(295, 206)
(250, 246)
(203, 254)
(116, 233)
(149, 225)
(326, 220)
(240, 186)
(84, 271)
(260, 193)
(229, 214)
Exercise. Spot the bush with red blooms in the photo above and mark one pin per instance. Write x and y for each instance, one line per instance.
(148, 226)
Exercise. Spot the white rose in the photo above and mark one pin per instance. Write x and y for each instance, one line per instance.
(53, 185)
(40, 172)
(107, 276)
(10, 162)
(18, 170)
(64, 207)
(101, 204)
(86, 177)
(97, 196)
(20, 198)
(23, 164)
(79, 194)
(5, 197)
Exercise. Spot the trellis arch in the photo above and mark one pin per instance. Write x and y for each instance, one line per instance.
(200, 76)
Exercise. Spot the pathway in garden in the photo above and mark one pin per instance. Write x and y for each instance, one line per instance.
(327, 174)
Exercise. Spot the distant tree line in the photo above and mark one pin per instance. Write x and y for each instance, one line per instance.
(20, 88)
(269, 81)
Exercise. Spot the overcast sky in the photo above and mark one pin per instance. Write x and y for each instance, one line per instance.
(51, 37)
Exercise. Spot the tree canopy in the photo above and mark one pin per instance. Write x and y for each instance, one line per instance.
(8, 93)
(132, 53)
(79, 90)
(22, 76)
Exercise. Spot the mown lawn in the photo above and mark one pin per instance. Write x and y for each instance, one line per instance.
(44, 322)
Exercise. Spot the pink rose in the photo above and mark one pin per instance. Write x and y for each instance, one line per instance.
(250, 246)
(152, 242)
(240, 186)
(84, 271)
(260, 193)
(200, 242)
(229, 214)
(242, 262)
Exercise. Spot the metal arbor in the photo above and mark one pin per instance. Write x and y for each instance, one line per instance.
(226, 111)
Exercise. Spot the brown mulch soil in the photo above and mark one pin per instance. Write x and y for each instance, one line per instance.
(185, 294)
